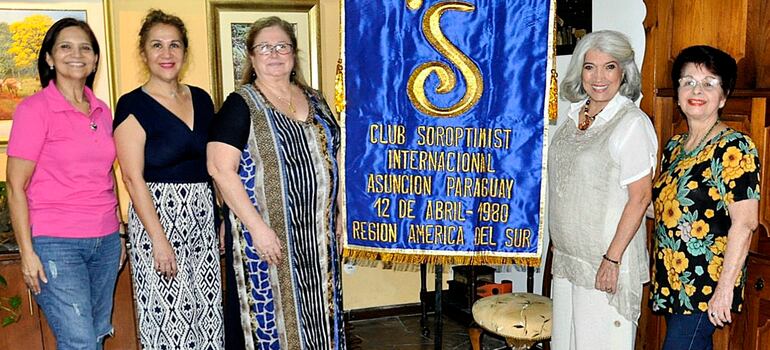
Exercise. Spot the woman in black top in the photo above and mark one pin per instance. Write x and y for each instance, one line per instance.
(161, 129)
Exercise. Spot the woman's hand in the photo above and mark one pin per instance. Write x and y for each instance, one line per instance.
(222, 162)
(719, 306)
(267, 244)
(607, 277)
(744, 218)
(18, 175)
(33, 272)
(165, 259)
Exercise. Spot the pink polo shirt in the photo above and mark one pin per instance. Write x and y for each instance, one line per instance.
(71, 191)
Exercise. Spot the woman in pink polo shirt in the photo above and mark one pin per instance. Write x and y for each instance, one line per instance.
(60, 190)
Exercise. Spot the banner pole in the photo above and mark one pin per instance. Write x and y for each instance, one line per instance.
(425, 330)
(438, 336)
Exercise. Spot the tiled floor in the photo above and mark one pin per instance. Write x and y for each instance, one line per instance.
(403, 333)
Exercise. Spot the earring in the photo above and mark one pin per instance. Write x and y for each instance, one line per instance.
(51, 67)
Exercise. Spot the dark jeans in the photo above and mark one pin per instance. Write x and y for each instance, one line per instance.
(689, 332)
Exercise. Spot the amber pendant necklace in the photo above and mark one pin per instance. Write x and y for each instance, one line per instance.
(587, 120)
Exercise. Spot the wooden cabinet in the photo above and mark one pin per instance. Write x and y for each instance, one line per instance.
(32, 332)
(757, 307)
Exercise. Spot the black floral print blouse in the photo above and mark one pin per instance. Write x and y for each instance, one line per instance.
(691, 195)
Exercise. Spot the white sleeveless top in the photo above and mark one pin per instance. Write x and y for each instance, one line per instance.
(588, 180)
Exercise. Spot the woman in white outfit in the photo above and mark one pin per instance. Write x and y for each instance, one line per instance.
(601, 164)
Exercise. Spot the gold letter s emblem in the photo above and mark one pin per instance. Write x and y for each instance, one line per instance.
(474, 84)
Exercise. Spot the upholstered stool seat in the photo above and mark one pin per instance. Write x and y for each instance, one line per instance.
(523, 319)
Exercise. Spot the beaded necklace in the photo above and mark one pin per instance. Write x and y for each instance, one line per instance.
(694, 151)
(588, 119)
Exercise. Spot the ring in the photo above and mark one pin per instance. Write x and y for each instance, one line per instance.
(713, 314)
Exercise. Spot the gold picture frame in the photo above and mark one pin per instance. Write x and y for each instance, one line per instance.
(95, 15)
(229, 18)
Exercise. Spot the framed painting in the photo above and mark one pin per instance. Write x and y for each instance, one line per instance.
(22, 28)
(229, 23)
(573, 22)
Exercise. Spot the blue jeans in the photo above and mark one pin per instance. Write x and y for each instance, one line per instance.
(689, 332)
(77, 300)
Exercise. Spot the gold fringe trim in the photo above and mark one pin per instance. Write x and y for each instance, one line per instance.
(339, 87)
(401, 258)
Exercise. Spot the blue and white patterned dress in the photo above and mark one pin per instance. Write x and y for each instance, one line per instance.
(289, 171)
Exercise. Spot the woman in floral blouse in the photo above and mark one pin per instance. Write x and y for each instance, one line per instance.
(706, 202)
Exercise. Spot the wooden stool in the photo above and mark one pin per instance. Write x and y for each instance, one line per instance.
(523, 319)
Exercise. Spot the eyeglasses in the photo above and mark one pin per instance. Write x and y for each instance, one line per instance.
(707, 84)
(266, 49)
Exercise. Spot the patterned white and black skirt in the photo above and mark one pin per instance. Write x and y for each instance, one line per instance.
(184, 312)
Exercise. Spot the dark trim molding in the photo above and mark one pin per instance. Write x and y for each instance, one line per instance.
(383, 311)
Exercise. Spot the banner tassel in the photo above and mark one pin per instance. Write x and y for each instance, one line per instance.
(553, 98)
(339, 87)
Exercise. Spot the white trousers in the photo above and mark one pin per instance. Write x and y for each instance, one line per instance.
(584, 320)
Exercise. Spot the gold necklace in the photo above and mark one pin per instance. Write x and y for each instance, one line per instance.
(91, 122)
(292, 109)
(173, 94)
(287, 102)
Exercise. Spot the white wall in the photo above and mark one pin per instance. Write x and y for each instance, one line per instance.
(625, 16)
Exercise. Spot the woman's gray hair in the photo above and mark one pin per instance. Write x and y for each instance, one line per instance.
(612, 43)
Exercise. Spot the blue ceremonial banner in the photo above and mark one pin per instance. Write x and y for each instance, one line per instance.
(446, 109)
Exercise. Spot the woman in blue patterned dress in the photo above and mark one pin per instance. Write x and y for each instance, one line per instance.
(272, 154)
(161, 130)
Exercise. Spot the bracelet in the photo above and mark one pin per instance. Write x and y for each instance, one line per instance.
(123, 235)
(610, 260)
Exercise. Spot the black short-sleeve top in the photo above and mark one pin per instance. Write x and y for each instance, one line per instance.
(232, 124)
(173, 153)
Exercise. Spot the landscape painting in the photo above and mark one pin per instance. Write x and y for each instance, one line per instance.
(21, 34)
